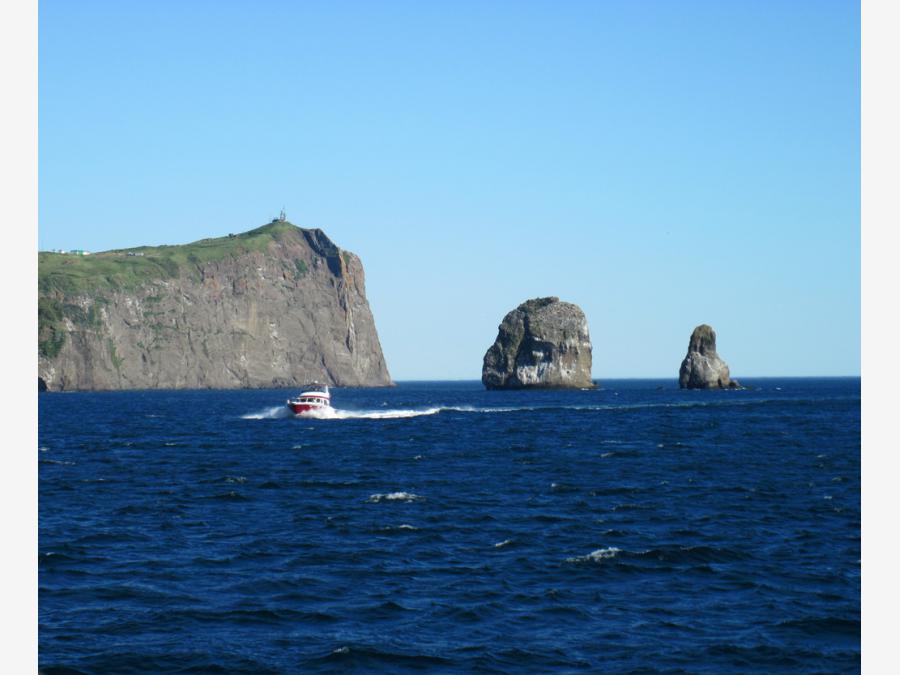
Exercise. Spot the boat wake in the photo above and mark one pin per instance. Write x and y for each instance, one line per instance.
(338, 414)
(278, 412)
(273, 413)
(398, 413)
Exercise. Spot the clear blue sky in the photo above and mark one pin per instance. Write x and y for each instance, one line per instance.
(661, 164)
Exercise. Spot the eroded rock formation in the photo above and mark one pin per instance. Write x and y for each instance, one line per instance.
(703, 368)
(542, 343)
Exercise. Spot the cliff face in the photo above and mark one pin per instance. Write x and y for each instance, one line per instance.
(277, 306)
(542, 343)
(702, 368)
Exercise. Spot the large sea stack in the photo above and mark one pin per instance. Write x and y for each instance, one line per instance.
(702, 368)
(275, 306)
(542, 343)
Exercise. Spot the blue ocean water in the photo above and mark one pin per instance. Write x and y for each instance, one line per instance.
(440, 527)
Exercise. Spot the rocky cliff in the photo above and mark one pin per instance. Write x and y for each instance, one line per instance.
(541, 343)
(702, 368)
(276, 306)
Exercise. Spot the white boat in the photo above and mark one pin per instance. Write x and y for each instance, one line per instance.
(313, 396)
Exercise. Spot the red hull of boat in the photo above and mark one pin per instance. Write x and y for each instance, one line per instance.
(315, 396)
(298, 408)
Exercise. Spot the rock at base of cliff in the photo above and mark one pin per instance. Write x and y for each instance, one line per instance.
(543, 343)
(703, 368)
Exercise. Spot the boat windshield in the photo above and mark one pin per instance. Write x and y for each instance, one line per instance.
(316, 386)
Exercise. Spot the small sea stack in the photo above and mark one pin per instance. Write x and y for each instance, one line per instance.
(542, 343)
(703, 368)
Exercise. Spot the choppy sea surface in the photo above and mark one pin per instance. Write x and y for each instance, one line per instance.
(440, 527)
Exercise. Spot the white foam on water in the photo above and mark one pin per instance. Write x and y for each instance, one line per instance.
(602, 553)
(396, 413)
(395, 528)
(596, 556)
(393, 497)
(501, 544)
(277, 412)
(338, 414)
(273, 413)
(402, 413)
(474, 409)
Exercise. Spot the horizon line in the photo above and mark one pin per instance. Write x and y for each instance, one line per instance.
(649, 377)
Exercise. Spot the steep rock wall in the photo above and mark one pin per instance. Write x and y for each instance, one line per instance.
(276, 306)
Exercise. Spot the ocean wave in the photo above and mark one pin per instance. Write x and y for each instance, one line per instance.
(130, 661)
(695, 554)
(370, 658)
(229, 496)
(398, 528)
(689, 555)
(394, 497)
(596, 556)
(824, 625)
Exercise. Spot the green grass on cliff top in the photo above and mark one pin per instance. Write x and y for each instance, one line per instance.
(116, 270)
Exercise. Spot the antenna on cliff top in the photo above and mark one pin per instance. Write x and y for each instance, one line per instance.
(282, 217)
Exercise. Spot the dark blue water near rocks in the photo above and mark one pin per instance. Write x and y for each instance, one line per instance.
(440, 527)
